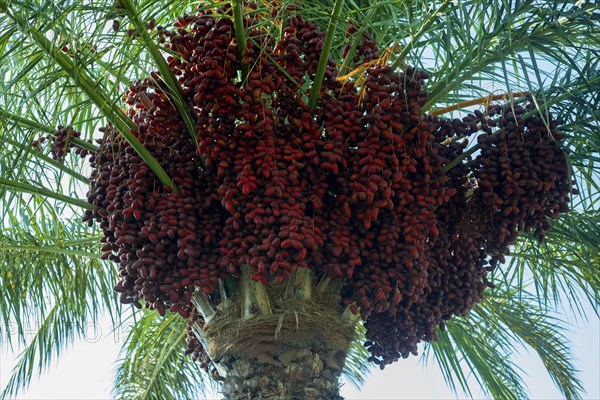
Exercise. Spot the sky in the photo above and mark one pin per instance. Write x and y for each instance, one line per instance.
(84, 371)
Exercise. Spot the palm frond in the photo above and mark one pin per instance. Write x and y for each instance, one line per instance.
(320, 73)
(357, 367)
(484, 340)
(477, 42)
(87, 83)
(450, 363)
(486, 355)
(527, 323)
(53, 283)
(564, 269)
(153, 364)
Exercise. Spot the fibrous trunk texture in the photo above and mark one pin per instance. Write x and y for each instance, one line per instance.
(294, 350)
(305, 375)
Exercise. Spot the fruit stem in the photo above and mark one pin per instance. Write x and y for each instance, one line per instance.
(346, 67)
(254, 297)
(300, 284)
(284, 21)
(458, 159)
(481, 100)
(240, 34)
(322, 66)
(276, 64)
(349, 315)
(323, 283)
(27, 188)
(203, 305)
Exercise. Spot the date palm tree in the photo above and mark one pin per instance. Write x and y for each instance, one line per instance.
(68, 63)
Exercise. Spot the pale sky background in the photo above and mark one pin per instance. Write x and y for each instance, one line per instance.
(85, 371)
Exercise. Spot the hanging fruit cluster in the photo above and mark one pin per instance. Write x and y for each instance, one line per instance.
(165, 243)
(356, 190)
(523, 175)
(61, 143)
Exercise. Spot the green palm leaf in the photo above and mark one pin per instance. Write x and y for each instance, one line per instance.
(153, 364)
(482, 344)
(53, 283)
(565, 267)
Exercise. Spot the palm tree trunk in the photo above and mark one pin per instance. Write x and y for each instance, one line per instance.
(286, 341)
(306, 374)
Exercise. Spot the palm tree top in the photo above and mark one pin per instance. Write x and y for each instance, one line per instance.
(70, 64)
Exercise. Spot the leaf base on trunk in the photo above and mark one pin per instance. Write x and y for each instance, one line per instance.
(296, 352)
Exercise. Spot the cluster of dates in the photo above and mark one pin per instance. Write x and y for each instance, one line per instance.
(356, 190)
(61, 143)
(165, 242)
(523, 175)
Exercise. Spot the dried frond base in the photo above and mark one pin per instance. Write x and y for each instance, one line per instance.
(297, 352)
